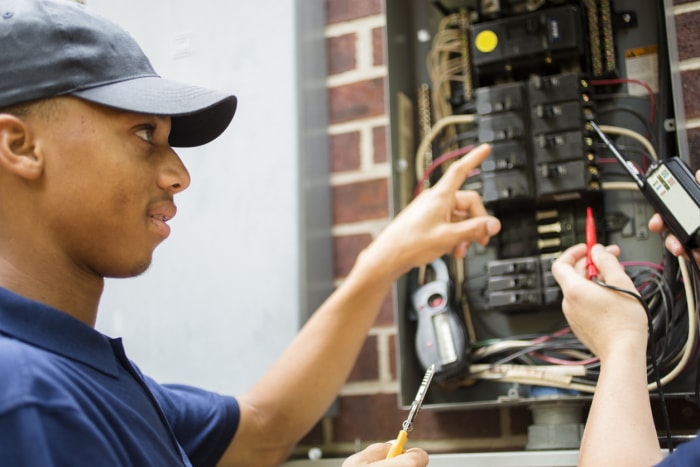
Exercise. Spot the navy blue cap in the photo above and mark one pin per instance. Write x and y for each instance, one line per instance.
(52, 48)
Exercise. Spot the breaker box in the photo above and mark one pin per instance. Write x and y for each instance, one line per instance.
(528, 77)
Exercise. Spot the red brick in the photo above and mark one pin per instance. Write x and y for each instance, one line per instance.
(341, 53)
(481, 423)
(378, 46)
(393, 364)
(694, 148)
(368, 418)
(687, 26)
(379, 143)
(360, 201)
(345, 251)
(315, 436)
(375, 417)
(345, 151)
(386, 314)
(356, 101)
(338, 11)
(691, 92)
(367, 365)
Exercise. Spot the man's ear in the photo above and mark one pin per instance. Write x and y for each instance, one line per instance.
(19, 153)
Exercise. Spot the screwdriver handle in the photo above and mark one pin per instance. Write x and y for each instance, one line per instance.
(399, 444)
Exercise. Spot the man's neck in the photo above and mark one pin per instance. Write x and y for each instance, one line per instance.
(76, 296)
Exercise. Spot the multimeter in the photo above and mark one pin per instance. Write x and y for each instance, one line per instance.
(671, 189)
(441, 338)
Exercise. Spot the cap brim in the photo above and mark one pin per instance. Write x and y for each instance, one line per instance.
(198, 115)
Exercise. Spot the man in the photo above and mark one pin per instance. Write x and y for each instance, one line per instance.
(87, 184)
(620, 430)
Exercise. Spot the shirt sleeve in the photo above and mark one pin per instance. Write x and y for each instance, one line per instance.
(686, 454)
(204, 422)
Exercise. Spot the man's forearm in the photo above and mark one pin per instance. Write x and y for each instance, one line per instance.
(620, 429)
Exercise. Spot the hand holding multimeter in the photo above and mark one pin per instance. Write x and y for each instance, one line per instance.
(671, 189)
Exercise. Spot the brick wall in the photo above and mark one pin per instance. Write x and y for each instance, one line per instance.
(687, 15)
(367, 409)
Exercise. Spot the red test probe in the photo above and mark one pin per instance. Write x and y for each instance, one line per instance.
(590, 241)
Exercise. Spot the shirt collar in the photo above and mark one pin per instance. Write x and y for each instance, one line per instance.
(55, 331)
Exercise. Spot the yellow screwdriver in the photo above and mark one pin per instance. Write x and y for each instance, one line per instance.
(407, 425)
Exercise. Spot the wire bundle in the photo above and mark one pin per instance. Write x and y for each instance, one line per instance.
(448, 62)
(559, 359)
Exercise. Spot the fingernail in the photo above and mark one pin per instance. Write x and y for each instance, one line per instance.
(674, 244)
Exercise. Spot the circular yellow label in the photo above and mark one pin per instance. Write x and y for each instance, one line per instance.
(486, 41)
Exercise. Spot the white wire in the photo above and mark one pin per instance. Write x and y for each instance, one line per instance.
(549, 379)
(434, 131)
(616, 130)
(619, 186)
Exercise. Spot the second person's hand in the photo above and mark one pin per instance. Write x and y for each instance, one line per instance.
(656, 224)
(375, 454)
(601, 318)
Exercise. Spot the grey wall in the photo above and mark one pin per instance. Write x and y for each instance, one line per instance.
(223, 295)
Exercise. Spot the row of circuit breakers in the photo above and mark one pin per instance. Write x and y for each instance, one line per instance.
(539, 144)
(541, 151)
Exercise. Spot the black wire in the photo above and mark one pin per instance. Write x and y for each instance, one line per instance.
(652, 351)
(654, 290)
(635, 113)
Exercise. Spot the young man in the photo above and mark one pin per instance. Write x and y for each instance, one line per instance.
(620, 430)
(88, 178)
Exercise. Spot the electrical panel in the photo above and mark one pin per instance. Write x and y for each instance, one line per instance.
(528, 77)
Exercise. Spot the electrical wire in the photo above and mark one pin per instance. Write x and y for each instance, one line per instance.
(652, 98)
(619, 108)
(563, 348)
(619, 186)
(434, 131)
(619, 131)
(448, 61)
(438, 162)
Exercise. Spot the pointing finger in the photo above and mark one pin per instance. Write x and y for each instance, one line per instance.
(456, 173)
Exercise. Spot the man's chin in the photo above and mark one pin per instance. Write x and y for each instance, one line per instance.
(132, 271)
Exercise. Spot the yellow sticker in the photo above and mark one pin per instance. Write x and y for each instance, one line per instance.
(486, 41)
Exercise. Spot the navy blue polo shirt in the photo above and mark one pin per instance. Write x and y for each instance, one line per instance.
(70, 396)
(686, 454)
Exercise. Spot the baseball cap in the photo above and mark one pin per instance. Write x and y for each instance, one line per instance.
(58, 47)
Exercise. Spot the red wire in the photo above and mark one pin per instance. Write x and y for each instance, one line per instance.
(438, 162)
(559, 361)
(554, 360)
(652, 99)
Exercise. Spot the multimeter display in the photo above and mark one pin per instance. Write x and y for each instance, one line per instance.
(671, 192)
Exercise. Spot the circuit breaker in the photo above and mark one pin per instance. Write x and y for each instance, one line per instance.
(528, 77)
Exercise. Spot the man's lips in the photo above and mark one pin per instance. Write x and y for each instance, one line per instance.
(160, 216)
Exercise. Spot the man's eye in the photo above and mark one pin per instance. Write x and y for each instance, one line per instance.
(146, 133)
